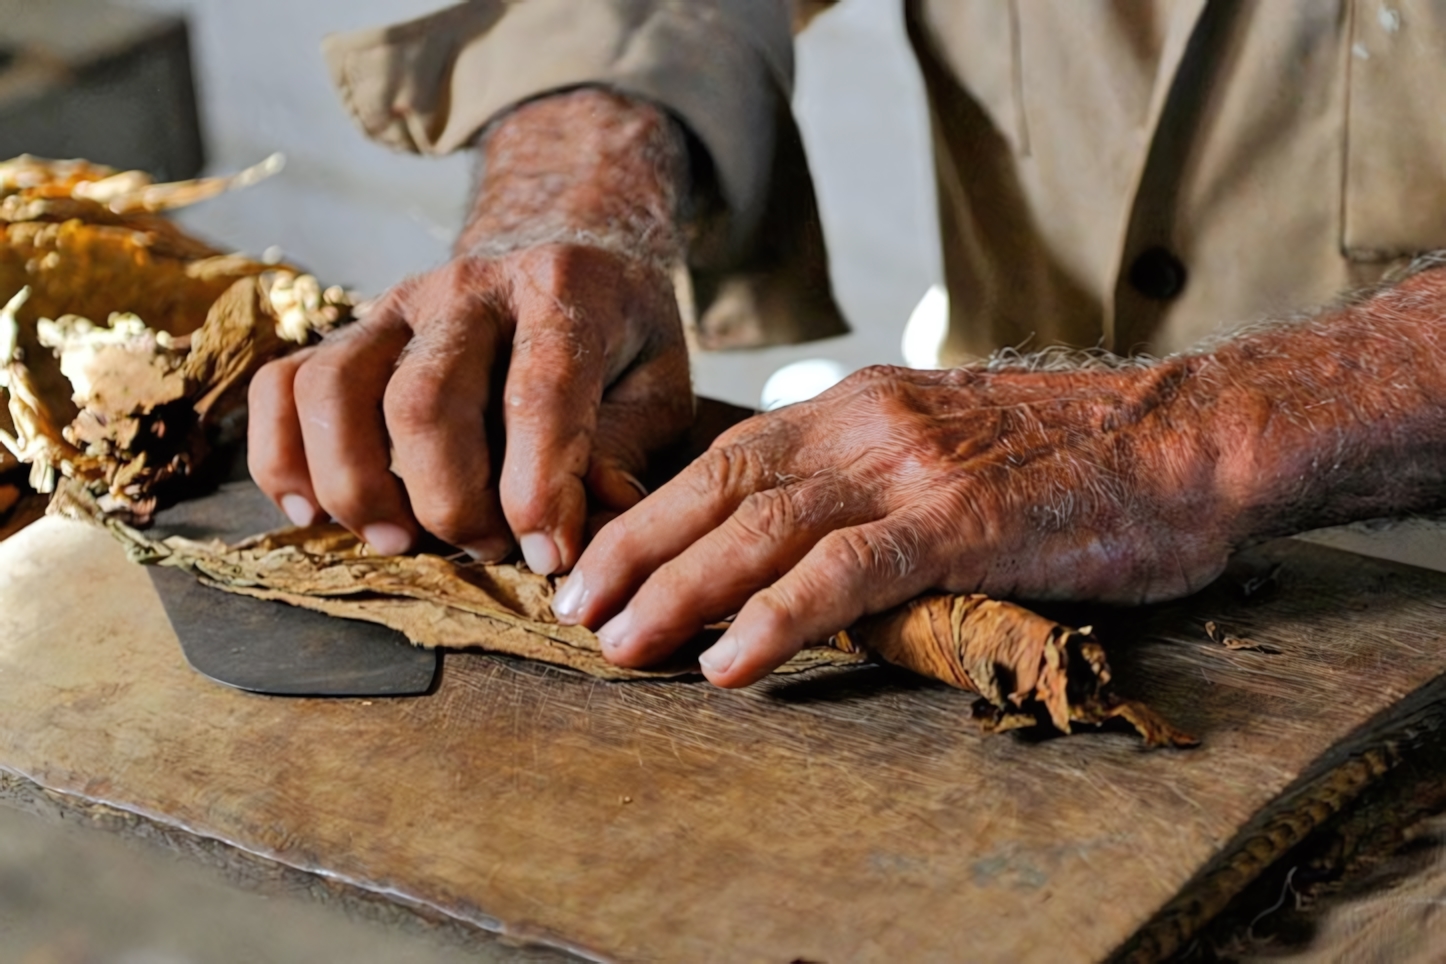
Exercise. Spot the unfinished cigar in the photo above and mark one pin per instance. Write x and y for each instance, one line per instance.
(1027, 669)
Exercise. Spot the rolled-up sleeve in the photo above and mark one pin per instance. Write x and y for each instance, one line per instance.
(724, 68)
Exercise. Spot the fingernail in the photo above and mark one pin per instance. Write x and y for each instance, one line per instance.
(490, 550)
(540, 552)
(568, 602)
(386, 539)
(636, 483)
(298, 509)
(716, 659)
(615, 630)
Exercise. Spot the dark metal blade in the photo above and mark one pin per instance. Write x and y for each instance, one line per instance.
(270, 647)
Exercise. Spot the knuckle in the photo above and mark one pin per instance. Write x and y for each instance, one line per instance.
(394, 300)
(774, 612)
(345, 498)
(771, 441)
(463, 286)
(881, 386)
(412, 405)
(448, 519)
(530, 507)
(269, 384)
(458, 274)
(769, 515)
(561, 265)
(871, 397)
(727, 468)
(753, 427)
(555, 349)
(875, 551)
(549, 270)
(318, 379)
(880, 373)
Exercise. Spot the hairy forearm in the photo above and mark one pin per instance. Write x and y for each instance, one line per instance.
(1338, 417)
(583, 167)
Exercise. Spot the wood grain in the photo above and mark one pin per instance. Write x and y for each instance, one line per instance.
(852, 816)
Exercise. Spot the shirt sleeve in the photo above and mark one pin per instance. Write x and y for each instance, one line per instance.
(724, 68)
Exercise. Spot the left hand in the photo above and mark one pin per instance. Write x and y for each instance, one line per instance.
(1090, 484)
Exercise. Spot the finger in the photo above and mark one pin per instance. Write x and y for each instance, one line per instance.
(597, 520)
(275, 453)
(648, 408)
(550, 406)
(568, 348)
(693, 504)
(765, 538)
(848, 574)
(339, 392)
(435, 407)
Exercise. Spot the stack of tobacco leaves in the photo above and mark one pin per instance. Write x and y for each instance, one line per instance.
(127, 345)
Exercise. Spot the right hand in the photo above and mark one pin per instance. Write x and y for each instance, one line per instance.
(1089, 484)
(569, 360)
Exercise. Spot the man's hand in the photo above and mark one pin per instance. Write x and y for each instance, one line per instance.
(1128, 484)
(1091, 484)
(531, 375)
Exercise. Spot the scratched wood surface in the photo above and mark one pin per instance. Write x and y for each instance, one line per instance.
(856, 816)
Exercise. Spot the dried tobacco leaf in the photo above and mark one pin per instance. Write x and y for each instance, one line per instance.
(1218, 635)
(88, 241)
(1027, 669)
(35, 437)
(129, 345)
(431, 600)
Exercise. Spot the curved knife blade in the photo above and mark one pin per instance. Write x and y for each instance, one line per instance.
(270, 647)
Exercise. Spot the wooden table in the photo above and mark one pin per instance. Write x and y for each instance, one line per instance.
(853, 816)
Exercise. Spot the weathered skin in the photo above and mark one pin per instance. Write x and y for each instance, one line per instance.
(554, 327)
(1126, 483)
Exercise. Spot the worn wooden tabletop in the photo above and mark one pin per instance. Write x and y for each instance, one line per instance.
(854, 816)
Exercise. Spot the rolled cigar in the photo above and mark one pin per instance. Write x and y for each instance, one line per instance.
(1027, 669)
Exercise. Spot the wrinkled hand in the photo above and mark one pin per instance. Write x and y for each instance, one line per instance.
(573, 354)
(499, 393)
(1087, 485)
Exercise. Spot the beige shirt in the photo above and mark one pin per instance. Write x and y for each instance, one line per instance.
(1136, 174)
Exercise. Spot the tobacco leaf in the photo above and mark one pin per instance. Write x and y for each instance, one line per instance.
(35, 437)
(1218, 635)
(433, 601)
(88, 241)
(1028, 670)
(129, 344)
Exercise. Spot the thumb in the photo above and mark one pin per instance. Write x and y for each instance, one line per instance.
(649, 407)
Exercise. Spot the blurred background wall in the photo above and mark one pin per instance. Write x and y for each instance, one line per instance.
(357, 214)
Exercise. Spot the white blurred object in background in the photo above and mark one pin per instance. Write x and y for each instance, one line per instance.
(924, 333)
(800, 381)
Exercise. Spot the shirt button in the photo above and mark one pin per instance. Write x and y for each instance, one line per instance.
(1157, 274)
